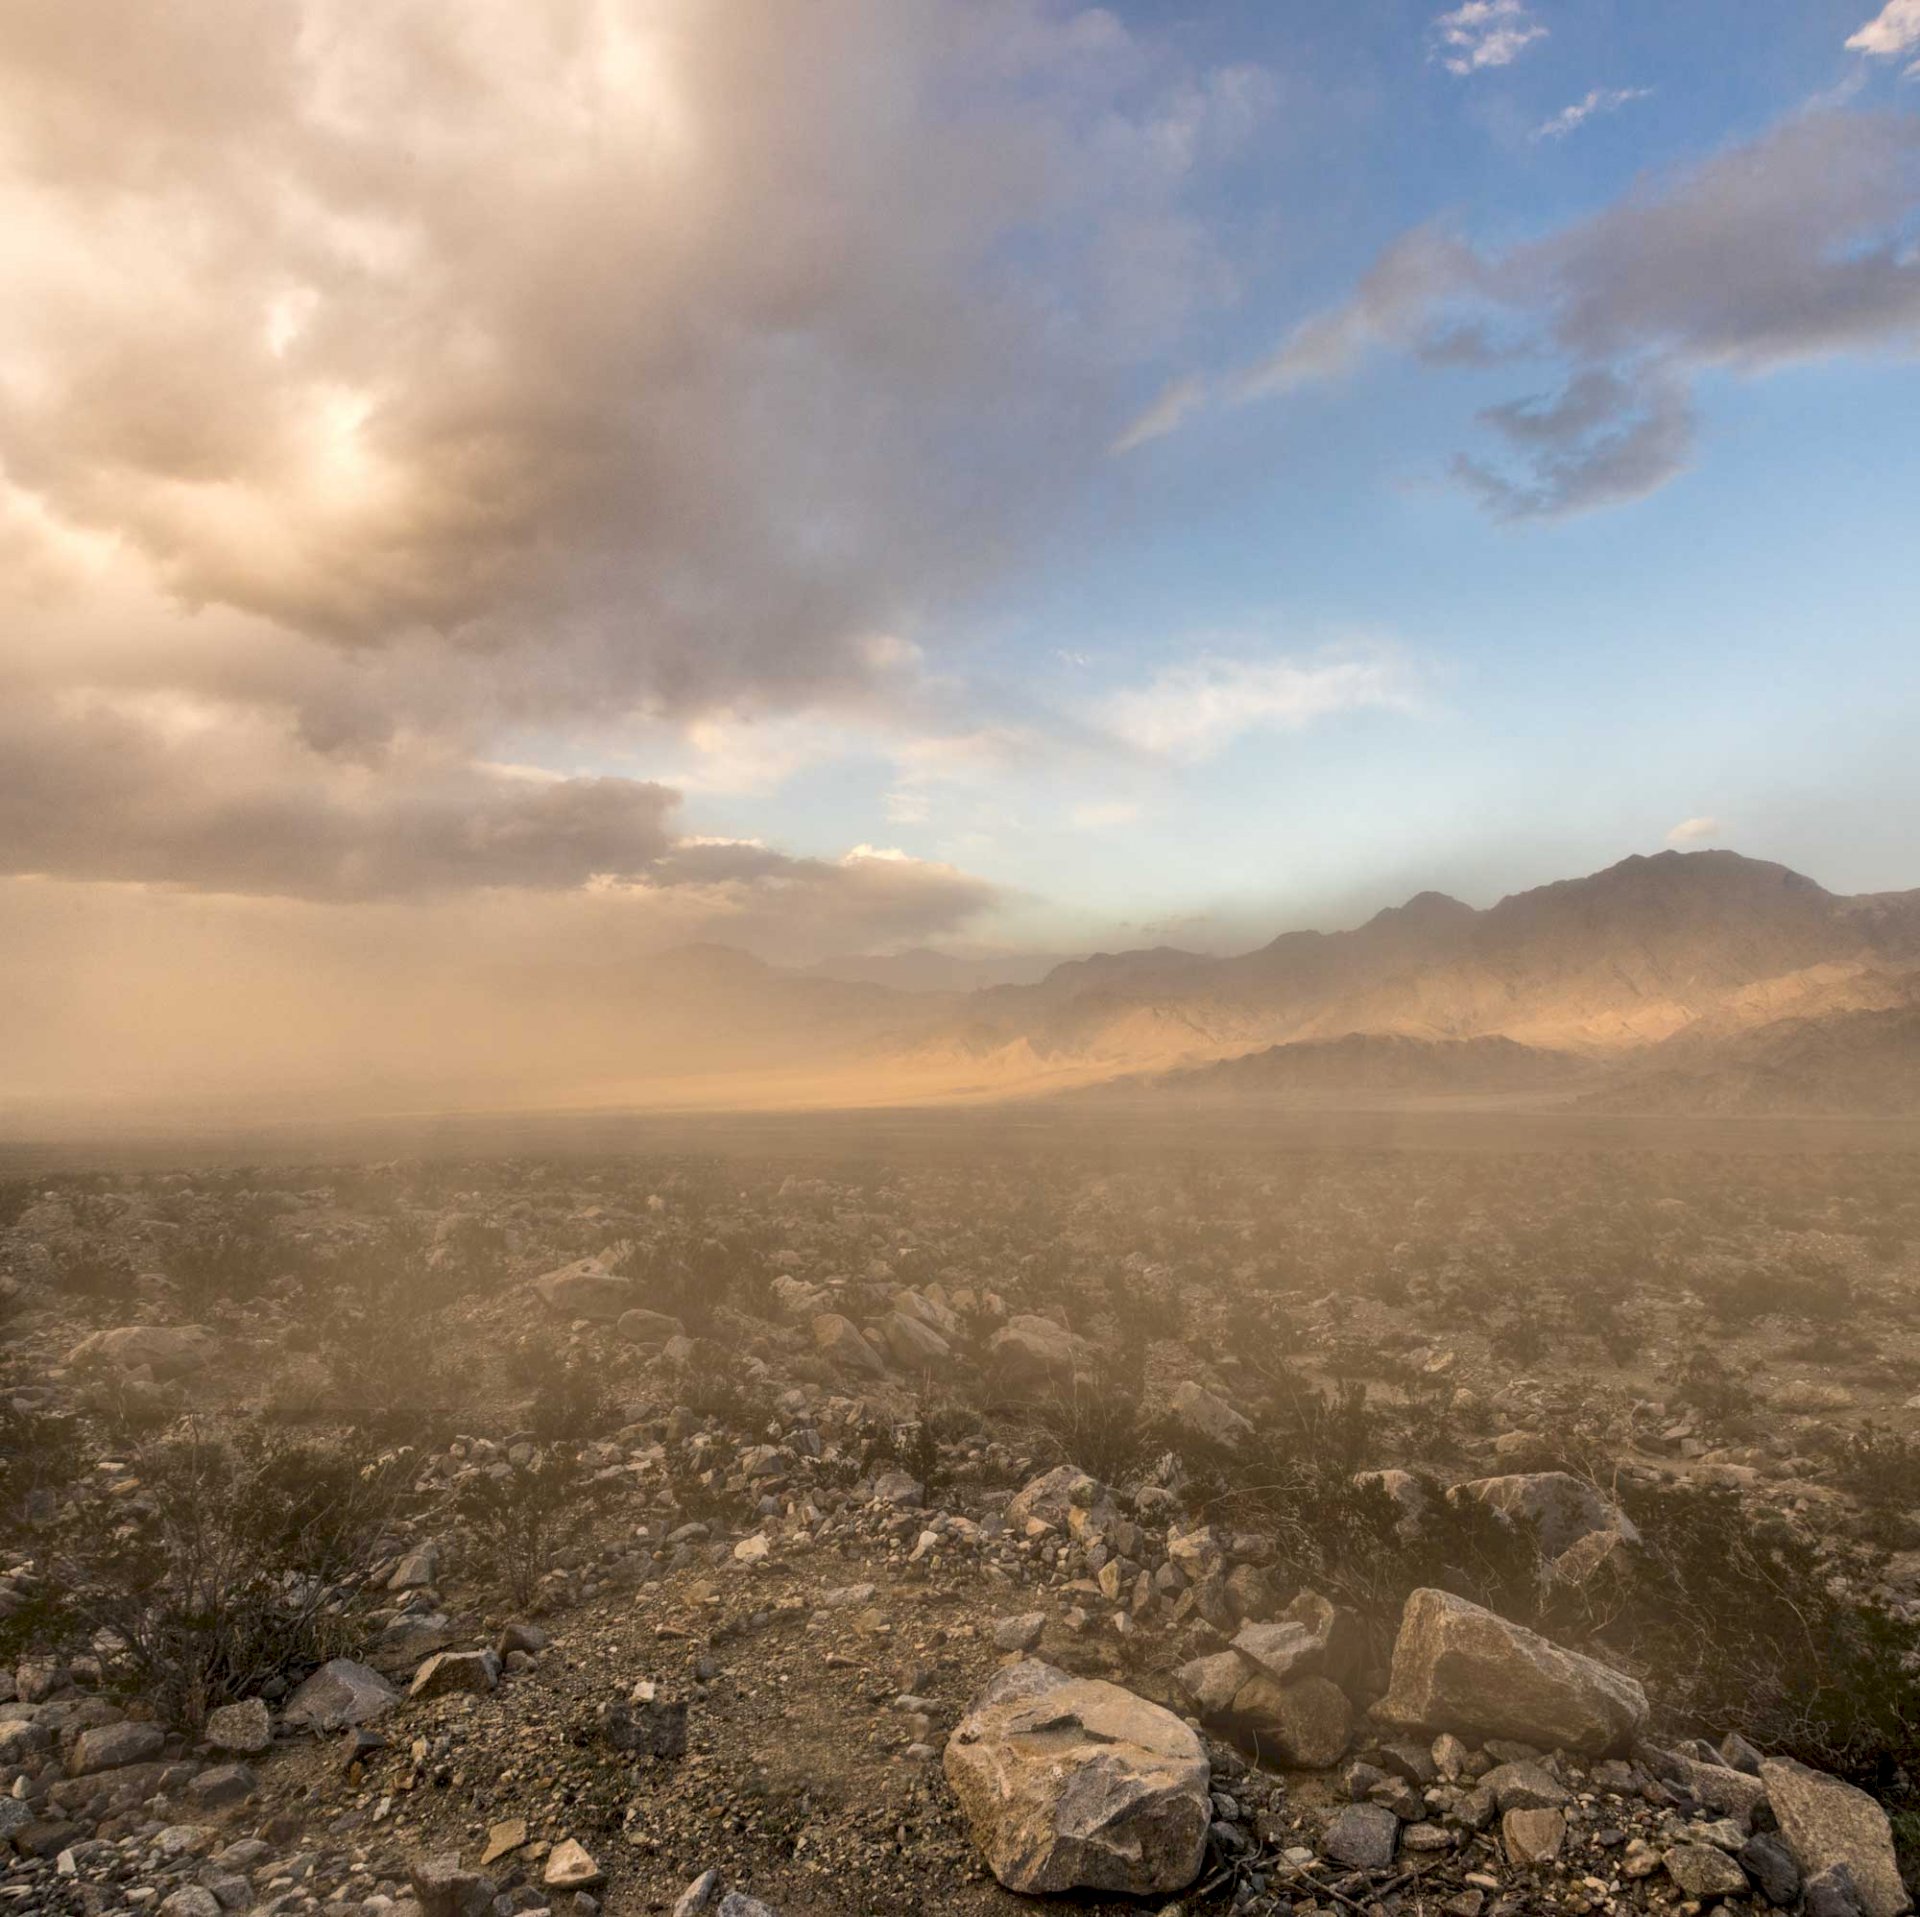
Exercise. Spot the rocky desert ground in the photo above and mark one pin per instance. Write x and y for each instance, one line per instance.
(1311, 1531)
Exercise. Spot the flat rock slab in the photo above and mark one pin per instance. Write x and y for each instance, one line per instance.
(1074, 1784)
(1459, 1668)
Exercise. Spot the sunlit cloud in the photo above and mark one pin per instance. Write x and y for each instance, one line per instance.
(1693, 831)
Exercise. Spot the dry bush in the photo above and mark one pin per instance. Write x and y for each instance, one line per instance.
(234, 1561)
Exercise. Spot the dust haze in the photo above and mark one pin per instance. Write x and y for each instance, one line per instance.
(959, 957)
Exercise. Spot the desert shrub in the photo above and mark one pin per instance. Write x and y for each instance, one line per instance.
(217, 1266)
(709, 1384)
(1098, 1427)
(103, 1274)
(1701, 1380)
(1880, 1467)
(569, 1399)
(16, 1194)
(378, 1339)
(235, 1561)
(919, 1446)
(517, 1520)
(1742, 1622)
(41, 1454)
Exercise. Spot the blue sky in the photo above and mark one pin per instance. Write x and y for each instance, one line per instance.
(1738, 643)
(976, 472)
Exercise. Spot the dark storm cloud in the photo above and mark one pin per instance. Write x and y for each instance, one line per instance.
(1797, 246)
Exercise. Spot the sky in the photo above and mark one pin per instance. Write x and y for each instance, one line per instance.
(557, 479)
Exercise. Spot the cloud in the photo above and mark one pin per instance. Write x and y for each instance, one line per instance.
(1165, 415)
(1484, 33)
(1598, 100)
(648, 351)
(1102, 817)
(1195, 709)
(1893, 31)
(1692, 831)
(1794, 247)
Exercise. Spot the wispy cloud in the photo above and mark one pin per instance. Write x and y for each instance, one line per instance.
(1484, 33)
(1195, 709)
(1166, 413)
(1598, 101)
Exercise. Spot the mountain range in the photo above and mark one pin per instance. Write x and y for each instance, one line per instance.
(1702, 980)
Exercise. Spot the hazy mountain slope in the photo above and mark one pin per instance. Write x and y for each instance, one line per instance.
(1621, 959)
(1842, 1062)
(1366, 1065)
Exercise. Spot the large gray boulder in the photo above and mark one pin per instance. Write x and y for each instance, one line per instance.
(1073, 1784)
(585, 1289)
(1459, 1668)
(338, 1695)
(1828, 1822)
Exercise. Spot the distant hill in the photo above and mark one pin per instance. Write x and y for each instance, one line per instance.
(1852, 1062)
(1366, 1064)
(1601, 965)
(1702, 980)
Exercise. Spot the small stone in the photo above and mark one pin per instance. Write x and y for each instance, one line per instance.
(1362, 1837)
(245, 1728)
(570, 1867)
(1703, 1870)
(502, 1839)
(456, 1673)
(1533, 1836)
(1020, 1633)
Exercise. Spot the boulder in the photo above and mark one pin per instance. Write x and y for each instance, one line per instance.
(450, 1673)
(585, 1289)
(707, 1896)
(1055, 1495)
(1075, 1784)
(1034, 1355)
(444, 1887)
(168, 1351)
(1212, 1683)
(244, 1727)
(913, 1344)
(838, 1340)
(1303, 1724)
(648, 1329)
(1827, 1822)
(1459, 1668)
(339, 1694)
(107, 1747)
(1209, 1416)
(1561, 1508)
(222, 1784)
